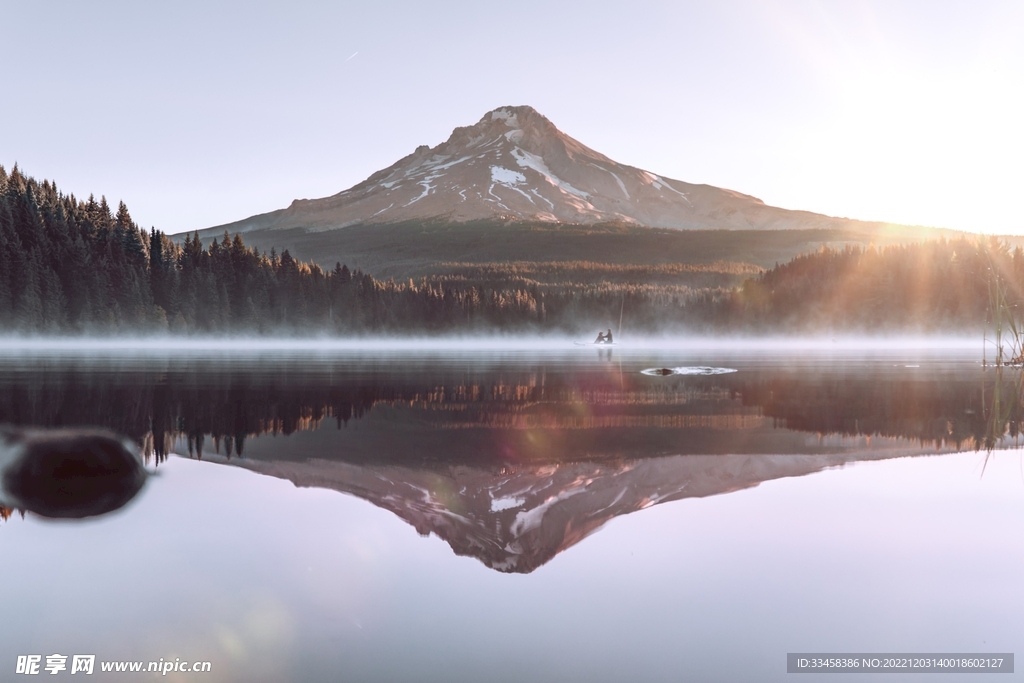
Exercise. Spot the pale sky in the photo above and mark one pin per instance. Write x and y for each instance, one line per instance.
(200, 113)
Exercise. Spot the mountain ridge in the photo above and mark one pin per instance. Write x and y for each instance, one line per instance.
(515, 165)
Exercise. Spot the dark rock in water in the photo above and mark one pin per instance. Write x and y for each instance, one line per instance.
(67, 473)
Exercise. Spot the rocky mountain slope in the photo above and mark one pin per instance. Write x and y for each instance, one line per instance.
(515, 165)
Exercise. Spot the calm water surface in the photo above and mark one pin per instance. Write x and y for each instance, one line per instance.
(525, 516)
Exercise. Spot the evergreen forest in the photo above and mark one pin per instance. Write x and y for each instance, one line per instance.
(82, 267)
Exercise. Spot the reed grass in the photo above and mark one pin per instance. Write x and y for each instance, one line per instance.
(1007, 329)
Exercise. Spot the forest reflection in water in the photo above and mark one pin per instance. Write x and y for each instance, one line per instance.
(221, 404)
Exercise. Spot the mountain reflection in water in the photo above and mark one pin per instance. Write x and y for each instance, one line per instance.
(513, 462)
(517, 518)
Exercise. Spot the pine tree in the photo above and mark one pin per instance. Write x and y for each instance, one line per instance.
(8, 246)
(29, 307)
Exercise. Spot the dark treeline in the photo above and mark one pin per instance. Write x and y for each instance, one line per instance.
(71, 265)
(936, 286)
(933, 411)
(68, 265)
(720, 274)
(212, 406)
(228, 402)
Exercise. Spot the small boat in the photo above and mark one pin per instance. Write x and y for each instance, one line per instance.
(594, 343)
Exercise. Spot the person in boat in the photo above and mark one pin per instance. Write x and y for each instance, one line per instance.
(600, 338)
(608, 336)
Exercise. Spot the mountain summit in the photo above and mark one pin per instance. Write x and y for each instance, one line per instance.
(514, 164)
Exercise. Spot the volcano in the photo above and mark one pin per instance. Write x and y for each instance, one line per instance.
(513, 187)
(515, 165)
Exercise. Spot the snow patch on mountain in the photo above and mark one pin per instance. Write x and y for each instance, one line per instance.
(533, 517)
(622, 185)
(444, 167)
(506, 176)
(507, 116)
(427, 187)
(550, 203)
(535, 162)
(508, 503)
(660, 182)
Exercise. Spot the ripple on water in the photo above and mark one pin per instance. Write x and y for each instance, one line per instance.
(690, 370)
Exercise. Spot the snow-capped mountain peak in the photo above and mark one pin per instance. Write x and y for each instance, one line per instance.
(514, 164)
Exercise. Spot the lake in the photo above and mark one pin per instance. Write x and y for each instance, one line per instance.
(549, 514)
